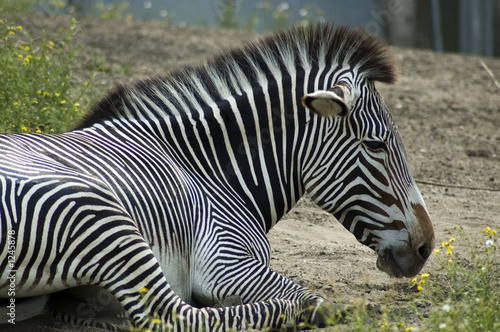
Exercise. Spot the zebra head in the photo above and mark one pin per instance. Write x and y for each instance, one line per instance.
(362, 176)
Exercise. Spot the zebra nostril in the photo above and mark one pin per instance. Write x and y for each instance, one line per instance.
(425, 250)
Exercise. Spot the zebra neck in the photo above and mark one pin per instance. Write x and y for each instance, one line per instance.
(246, 145)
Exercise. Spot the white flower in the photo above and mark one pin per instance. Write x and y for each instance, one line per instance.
(446, 307)
(148, 4)
(303, 12)
(163, 13)
(488, 243)
(442, 326)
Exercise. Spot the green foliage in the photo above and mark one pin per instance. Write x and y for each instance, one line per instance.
(467, 298)
(463, 295)
(16, 6)
(38, 91)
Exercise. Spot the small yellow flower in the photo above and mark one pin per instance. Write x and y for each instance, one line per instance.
(1, 21)
(444, 244)
(57, 94)
(409, 328)
(19, 27)
(450, 261)
(450, 247)
(449, 252)
(20, 56)
(12, 32)
(39, 92)
(419, 288)
(493, 232)
(487, 230)
(414, 280)
(77, 104)
(24, 128)
(50, 44)
(452, 240)
(436, 251)
(425, 275)
(143, 290)
(63, 101)
(156, 321)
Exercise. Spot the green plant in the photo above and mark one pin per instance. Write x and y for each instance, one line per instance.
(462, 295)
(39, 92)
(468, 296)
(16, 6)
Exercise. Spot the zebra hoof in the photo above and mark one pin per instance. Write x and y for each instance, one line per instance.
(229, 301)
(324, 314)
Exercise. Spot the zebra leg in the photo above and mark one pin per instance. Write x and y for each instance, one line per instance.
(253, 281)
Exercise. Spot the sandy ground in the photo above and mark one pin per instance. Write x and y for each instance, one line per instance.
(448, 111)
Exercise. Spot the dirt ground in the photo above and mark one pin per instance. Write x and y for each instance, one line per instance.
(448, 111)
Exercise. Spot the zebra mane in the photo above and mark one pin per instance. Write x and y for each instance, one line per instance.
(301, 46)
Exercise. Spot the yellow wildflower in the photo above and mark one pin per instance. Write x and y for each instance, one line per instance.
(419, 288)
(452, 240)
(414, 280)
(493, 232)
(50, 44)
(156, 321)
(38, 131)
(143, 290)
(436, 251)
(63, 101)
(425, 275)
(24, 128)
(487, 230)
(444, 244)
(57, 94)
(77, 104)
(19, 27)
(450, 247)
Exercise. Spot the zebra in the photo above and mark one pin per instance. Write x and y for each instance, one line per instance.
(164, 192)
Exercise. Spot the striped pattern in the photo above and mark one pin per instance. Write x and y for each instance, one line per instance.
(164, 193)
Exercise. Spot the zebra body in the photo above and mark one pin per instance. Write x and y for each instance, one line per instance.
(164, 193)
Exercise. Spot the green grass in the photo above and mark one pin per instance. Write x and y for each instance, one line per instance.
(463, 294)
(39, 92)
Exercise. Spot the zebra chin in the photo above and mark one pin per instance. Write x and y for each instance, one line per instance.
(414, 245)
(398, 265)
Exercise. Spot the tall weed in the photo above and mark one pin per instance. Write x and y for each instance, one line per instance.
(39, 92)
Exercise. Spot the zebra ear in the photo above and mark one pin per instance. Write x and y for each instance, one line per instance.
(327, 103)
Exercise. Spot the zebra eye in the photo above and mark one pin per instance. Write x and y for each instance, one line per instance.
(375, 146)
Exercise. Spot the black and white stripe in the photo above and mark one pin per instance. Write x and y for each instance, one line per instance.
(171, 184)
